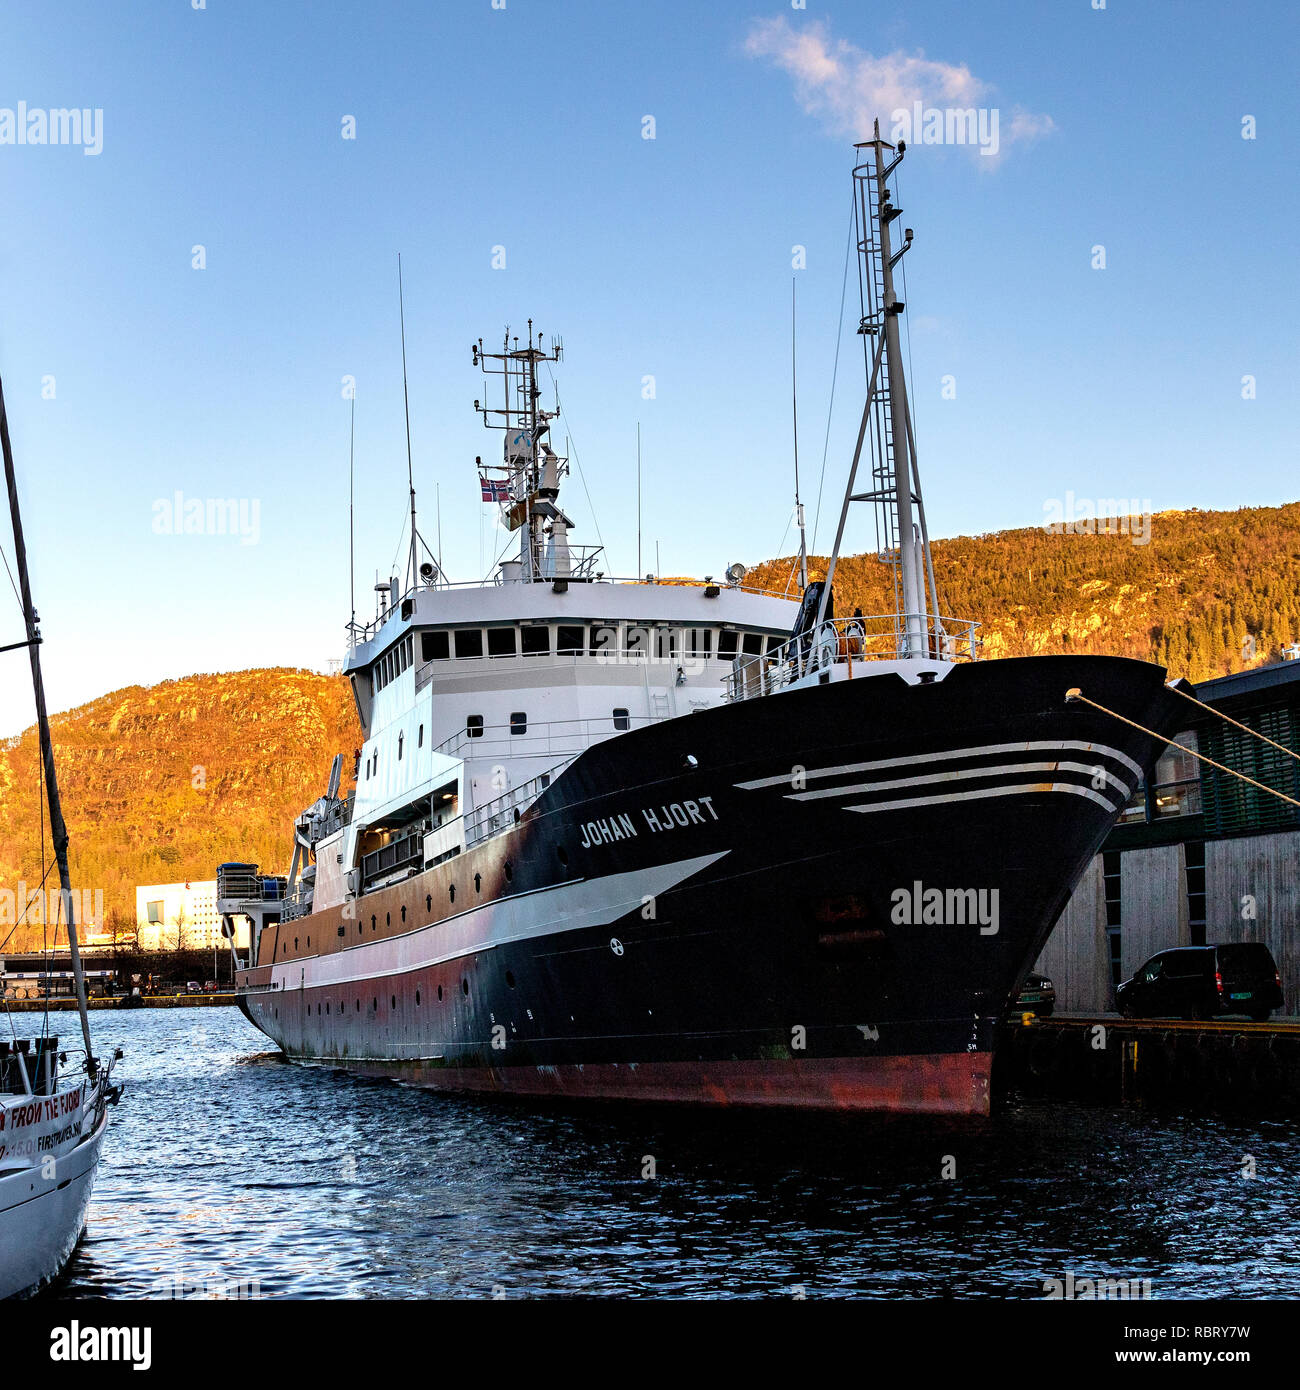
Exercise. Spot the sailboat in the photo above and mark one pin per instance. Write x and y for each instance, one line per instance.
(54, 1105)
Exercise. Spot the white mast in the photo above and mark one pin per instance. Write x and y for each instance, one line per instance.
(895, 488)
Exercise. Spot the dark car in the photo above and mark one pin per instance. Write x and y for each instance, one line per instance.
(1204, 982)
(1037, 996)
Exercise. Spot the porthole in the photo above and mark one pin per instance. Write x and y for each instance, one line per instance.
(562, 854)
(478, 883)
(403, 912)
(451, 892)
(388, 919)
(428, 902)
(440, 994)
(372, 921)
(393, 1003)
(510, 873)
(464, 986)
(417, 998)
(327, 1009)
(374, 1005)
(510, 979)
(295, 943)
(358, 1006)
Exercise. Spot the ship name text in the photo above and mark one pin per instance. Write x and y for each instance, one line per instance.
(677, 815)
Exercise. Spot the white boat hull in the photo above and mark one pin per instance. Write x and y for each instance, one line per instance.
(42, 1217)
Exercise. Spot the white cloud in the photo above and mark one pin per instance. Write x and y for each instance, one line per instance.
(847, 88)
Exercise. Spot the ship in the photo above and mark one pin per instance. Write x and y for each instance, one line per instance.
(689, 842)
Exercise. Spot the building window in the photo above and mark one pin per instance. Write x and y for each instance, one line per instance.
(1195, 859)
(474, 726)
(154, 912)
(519, 722)
(622, 720)
(536, 639)
(434, 646)
(469, 641)
(1110, 870)
(501, 641)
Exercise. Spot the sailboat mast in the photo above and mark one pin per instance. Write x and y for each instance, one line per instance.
(58, 829)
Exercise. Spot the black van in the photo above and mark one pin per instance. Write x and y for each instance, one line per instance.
(1204, 981)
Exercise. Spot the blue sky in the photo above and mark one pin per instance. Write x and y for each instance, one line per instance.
(522, 127)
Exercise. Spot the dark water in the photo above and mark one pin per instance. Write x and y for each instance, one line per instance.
(227, 1164)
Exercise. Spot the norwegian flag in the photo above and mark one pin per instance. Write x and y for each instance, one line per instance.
(495, 490)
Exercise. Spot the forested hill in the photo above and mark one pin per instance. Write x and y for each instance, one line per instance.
(161, 784)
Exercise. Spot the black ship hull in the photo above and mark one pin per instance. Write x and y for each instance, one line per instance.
(822, 898)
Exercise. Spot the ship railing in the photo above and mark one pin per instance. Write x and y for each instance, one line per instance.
(359, 633)
(850, 642)
(506, 810)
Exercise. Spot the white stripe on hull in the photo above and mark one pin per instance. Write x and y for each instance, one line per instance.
(591, 902)
(961, 774)
(952, 754)
(1070, 788)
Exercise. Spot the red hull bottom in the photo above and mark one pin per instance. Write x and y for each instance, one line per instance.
(938, 1084)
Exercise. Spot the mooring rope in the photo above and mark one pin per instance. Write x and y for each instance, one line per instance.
(1245, 728)
(1077, 694)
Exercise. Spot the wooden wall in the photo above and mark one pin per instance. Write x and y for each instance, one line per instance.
(1076, 958)
(1153, 904)
(1267, 869)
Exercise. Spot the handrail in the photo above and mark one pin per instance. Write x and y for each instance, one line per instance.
(842, 641)
(362, 632)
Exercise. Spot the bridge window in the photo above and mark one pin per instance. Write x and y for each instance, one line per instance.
(469, 641)
(519, 722)
(638, 642)
(622, 720)
(536, 638)
(501, 641)
(753, 644)
(604, 639)
(699, 641)
(570, 641)
(727, 644)
(434, 646)
(474, 725)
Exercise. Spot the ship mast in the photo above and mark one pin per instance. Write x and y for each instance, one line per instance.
(58, 829)
(530, 473)
(895, 489)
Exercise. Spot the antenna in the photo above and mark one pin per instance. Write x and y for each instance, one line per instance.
(638, 499)
(406, 400)
(352, 537)
(794, 405)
